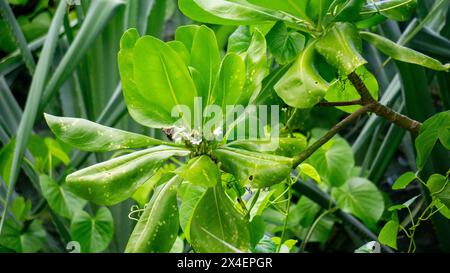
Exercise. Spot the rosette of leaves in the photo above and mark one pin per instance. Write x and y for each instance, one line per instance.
(333, 31)
(158, 78)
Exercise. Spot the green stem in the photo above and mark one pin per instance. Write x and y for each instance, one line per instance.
(286, 219)
(313, 227)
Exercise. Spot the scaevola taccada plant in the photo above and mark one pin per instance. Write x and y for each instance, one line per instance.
(160, 79)
(167, 85)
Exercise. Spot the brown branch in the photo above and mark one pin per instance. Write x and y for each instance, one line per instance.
(369, 104)
(340, 103)
(325, 138)
(381, 110)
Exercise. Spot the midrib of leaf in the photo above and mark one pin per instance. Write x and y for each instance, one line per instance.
(152, 209)
(172, 91)
(305, 17)
(218, 213)
(385, 9)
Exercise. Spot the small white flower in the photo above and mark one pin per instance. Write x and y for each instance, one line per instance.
(196, 137)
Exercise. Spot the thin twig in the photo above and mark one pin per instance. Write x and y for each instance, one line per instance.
(340, 103)
(324, 139)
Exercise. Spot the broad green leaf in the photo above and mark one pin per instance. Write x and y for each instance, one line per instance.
(93, 233)
(399, 10)
(261, 204)
(142, 194)
(60, 198)
(360, 197)
(401, 53)
(348, 10)
(439, 187)
(284, 44)
(178, 246)
(157, 228)
(340, 46)
(186, 35)
(256, 67)
(28, 240)
(256, 227)
(155, 80)
(445, 211)
(388, 234)
(303, 213)
(265, 245)
(57, 151)
(205, 58)
(115, 180)
(239, 40)
(434, 128)
(223, 12)
(21, 208)
(333, 161)
(201, 171)
(181, 49)
(230, 81)
(344, 90)
(302, 86)
(258, 169)
(284, 146)
(404, 180)
(189, 201)
(310, 171)
(217, 226)
(90, 136)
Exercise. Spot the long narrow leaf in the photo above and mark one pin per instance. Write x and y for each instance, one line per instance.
(32, 104)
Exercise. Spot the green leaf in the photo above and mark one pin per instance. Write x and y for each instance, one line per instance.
(388, 234)
(256, 67)
(284, 146)
(340, 46)
(189, 201)
(216, 225)
(186, 35)
(230, 81)
(445, 211)
(90, 136)
(201, 171)
(115, 180)
(223, 12)
(434, 128)
(6, 158)
(57, 151)
(60, 198)
(29, 240)
(257, 227)
(405, 205)
(404, 180)
(283, 44)
(360, 197)
(205, 58)
(157, 228)
(333, 161)
(93, 233)
(239, 41)
(344, 90)
(404, 54)
(302, 86)
(21, 208)
(439, 187)
(309, 170)
(258, 169)
(149, 64)
(398, 10)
